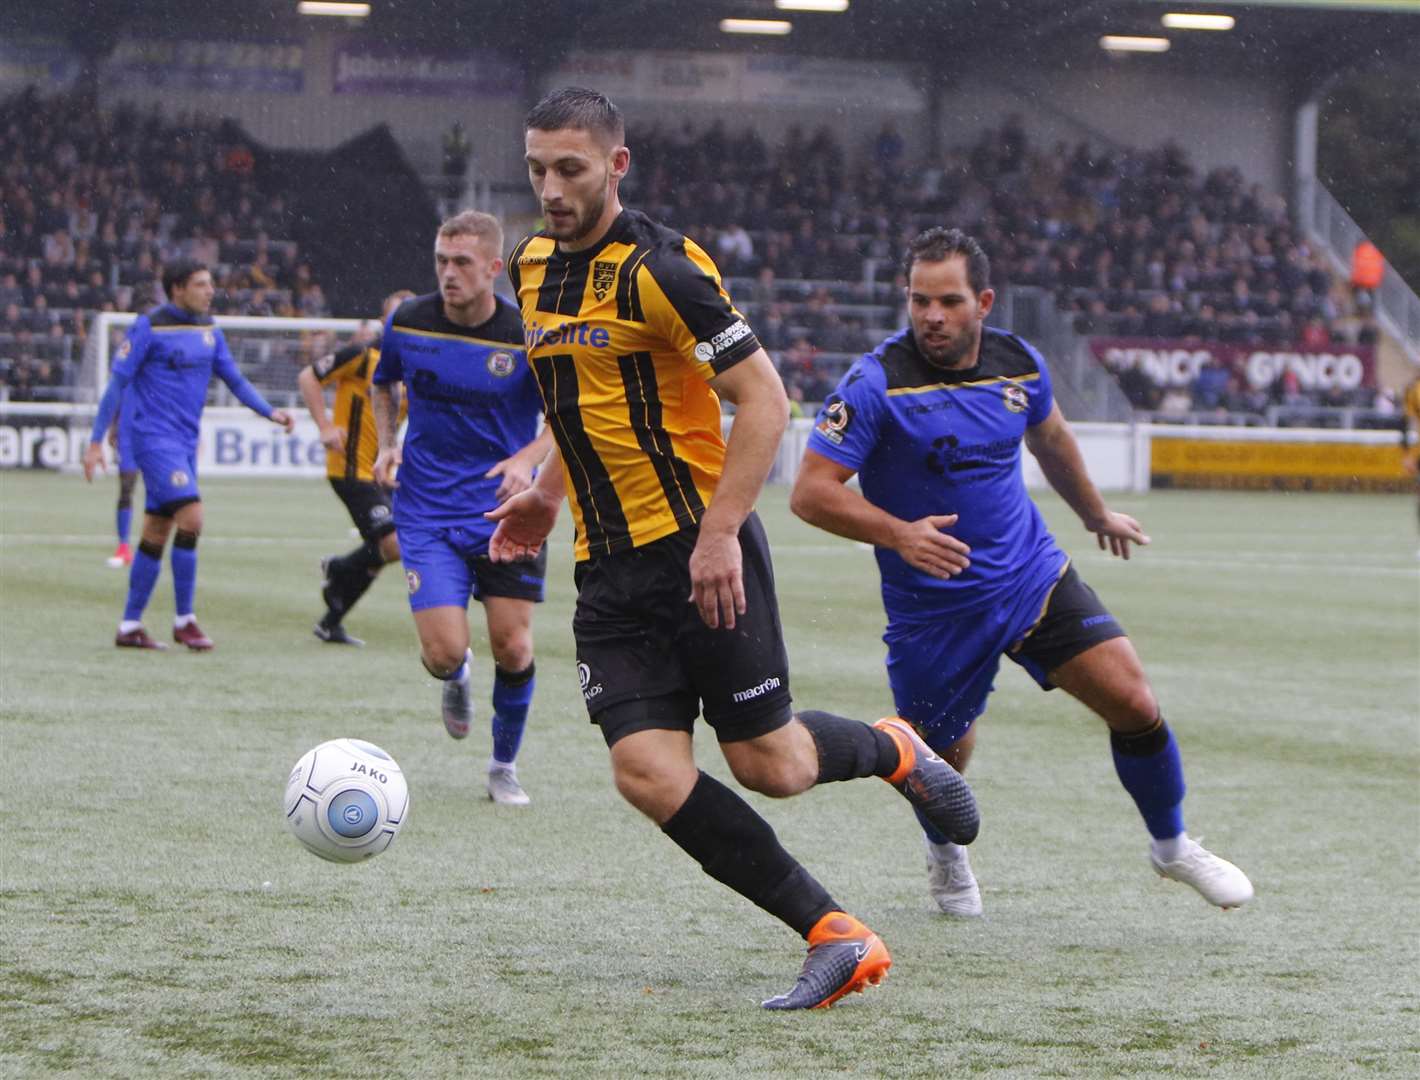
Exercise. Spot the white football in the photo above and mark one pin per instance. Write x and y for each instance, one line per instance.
(346, 800)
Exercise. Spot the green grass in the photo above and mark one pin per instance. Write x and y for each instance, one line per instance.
(140, 821)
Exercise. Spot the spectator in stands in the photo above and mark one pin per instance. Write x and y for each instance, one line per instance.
(1176, 403)
(1140, 390)
(1314, 334)
(1161, 320)
(1287, 389)
(764, 291)
(772, 329)
(1210, 385)
(735, 250)
(20, 381)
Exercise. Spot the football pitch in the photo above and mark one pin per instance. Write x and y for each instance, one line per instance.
(159, 920)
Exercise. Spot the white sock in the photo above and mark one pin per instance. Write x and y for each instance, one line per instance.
(1169, 850)
(947, 852)
(127, 626)
(494, 765)
(179, 621)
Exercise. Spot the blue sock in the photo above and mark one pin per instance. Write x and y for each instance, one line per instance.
(125, 523)
(184, 561)
(512, 694)
(142, 576)
(1151, 770)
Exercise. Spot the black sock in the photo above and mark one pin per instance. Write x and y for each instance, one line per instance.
(364, 560)
(738, 848)
(350, 575)
(848, 749)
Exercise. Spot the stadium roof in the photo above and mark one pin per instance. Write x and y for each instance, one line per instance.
(1303, 41)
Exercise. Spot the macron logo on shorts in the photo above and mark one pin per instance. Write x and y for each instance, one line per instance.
(771, 683)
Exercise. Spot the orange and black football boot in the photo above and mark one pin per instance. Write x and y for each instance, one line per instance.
(932, 786)
(844, 957)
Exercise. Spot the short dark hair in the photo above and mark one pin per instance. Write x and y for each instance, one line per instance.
(939, 244)
(177, 272)
(579, 108)
(477, 224)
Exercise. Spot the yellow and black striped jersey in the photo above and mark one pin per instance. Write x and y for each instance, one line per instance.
(1411, 404)
(623, 338)
(350, 371)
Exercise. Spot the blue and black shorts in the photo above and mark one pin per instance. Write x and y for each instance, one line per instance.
(942, 671)
(445, 565)
(169, 478)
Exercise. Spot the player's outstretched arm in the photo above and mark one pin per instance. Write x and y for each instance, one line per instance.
(822, 498)
(526, 519)
(517, 471)
(1054, 446)
(332, 437)
(244, 391)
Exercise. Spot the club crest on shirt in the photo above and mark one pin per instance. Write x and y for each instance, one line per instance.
(1015, 398)
(208, 338)
(178, 478)
(603, 277)
(125, 349)
(413, 580)
(835, 420)
(501, 364)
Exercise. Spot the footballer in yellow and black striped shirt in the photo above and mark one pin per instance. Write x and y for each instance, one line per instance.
(634, 342)
(351, 444)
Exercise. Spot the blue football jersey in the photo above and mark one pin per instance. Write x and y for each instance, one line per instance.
(161, 376)
(473, 401)
(925, 440)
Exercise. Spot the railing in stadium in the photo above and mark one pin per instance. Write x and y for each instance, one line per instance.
(1397, 308)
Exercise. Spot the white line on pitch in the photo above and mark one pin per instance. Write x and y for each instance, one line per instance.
(1287, 562)
(102, 539)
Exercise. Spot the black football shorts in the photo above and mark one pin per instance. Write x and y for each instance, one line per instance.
(646, 660)
(1075, 619)
(369, 507)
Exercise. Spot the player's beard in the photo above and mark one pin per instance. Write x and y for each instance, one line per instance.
(581, 225)
(955, 351)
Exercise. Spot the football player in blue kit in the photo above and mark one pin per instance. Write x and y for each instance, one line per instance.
(932, 423)
(472, 441)
(160, 382)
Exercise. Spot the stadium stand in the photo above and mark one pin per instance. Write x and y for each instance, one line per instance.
(1130, 244)
(93, 202)
(1127, 243)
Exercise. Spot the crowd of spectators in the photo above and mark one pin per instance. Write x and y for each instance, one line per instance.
(1130, 243)
(93, 202)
